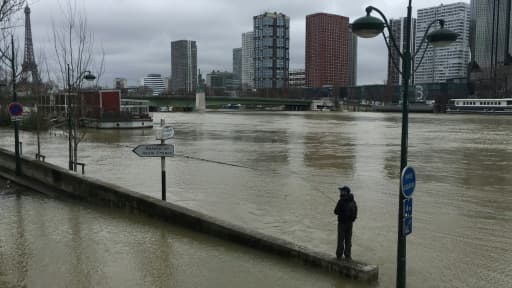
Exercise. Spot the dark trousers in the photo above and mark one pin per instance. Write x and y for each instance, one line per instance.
(344, 239)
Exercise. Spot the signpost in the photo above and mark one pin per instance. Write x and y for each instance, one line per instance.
(407, 225)
(161, 150)
(167, 132)
(408, 182)
(408, 207)
(16, 110)
(154, 150)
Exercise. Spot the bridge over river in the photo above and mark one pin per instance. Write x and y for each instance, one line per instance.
(189, 102)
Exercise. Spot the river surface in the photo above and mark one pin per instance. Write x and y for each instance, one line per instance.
(279, 172)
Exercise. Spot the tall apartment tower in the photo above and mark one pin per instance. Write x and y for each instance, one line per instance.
(327, 50)
(441, 64)
(237, 62)
(184, 66)
(491, 35)
(271, 50)
(248, 60)
(394, 60)
(352, 59)
(237, 67)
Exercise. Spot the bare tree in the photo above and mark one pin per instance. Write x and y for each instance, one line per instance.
(8, 9)
(74, 51)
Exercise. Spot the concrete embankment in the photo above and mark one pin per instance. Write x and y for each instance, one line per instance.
(54, 180)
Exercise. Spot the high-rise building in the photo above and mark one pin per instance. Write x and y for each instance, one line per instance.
(120, 83)
(450, 62)
(352, 59)
(248, 60)
(297, 78)
(155, 82)
(271, 50)
(491, 45)
(237, 67)
(184, 66)
(220, 83)
(394, 60)
(327, 50)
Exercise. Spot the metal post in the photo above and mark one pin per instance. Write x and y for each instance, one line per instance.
(162, 141)
(16, 123)
(70, 130)
(406, 71)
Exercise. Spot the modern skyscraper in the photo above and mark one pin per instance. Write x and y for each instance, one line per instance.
(327, 50)
(394, 60)
(237, 67)
(450, 62)
(271, 50)
(491, 45)
(248, 60)
(184, 66)
(155, 82)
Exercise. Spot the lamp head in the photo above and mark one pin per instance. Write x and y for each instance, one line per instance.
(442, 37)
(89, 77)
(367, 26)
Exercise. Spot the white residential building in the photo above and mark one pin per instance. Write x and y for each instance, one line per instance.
(155, 82)
(248, 60)
(441, 64)
(297, 78)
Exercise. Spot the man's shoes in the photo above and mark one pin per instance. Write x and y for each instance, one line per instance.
(348, 258)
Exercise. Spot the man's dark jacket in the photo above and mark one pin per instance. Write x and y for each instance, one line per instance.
(346, 209)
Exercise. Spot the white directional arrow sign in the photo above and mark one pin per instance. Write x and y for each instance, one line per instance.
(154, 150)
(165, 133)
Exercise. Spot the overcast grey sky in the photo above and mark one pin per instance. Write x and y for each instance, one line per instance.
(136, 35)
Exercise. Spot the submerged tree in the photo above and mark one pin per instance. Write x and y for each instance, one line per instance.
(8, 10)
(74, 51)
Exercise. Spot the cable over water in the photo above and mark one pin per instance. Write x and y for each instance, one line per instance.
(195, 158)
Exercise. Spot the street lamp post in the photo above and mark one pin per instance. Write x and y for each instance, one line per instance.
(87, 75)
(368, 27)
(16, 123)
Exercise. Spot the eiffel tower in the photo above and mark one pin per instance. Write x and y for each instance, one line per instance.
(29, 72)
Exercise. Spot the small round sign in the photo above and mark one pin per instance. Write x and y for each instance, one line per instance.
(408, 181)
(15, 109)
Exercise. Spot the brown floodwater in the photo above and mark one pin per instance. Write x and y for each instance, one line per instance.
(278, 173)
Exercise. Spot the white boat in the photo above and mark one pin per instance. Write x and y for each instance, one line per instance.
(501, 106)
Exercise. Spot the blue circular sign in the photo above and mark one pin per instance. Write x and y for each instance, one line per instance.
(408, 181)
(15, 109)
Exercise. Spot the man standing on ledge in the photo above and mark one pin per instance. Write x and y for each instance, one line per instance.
(346, 209)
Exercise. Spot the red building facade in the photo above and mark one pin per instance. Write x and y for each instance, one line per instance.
(327, 50)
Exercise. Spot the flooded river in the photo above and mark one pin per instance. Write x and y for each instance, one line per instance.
(278, 173)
